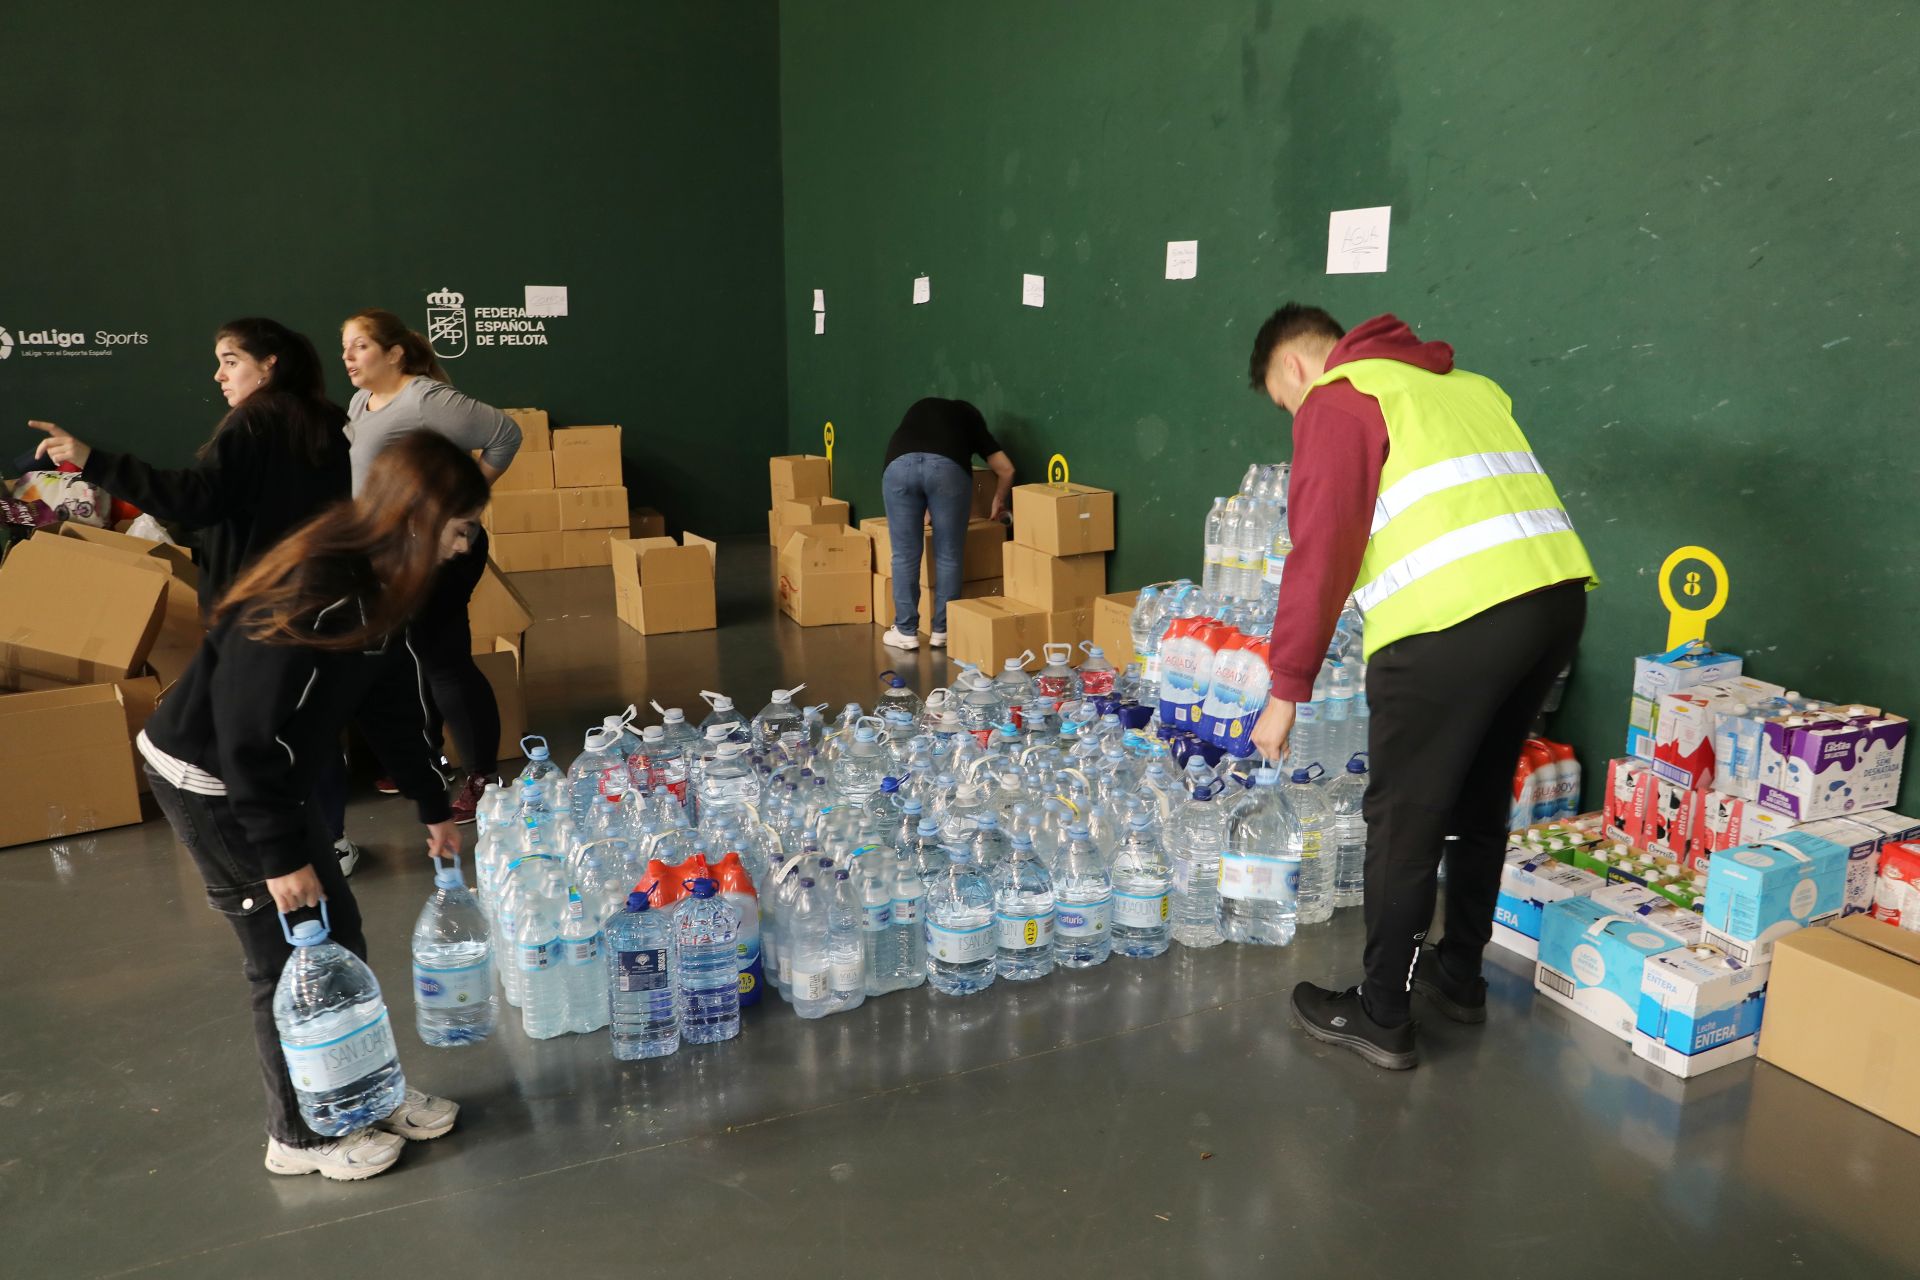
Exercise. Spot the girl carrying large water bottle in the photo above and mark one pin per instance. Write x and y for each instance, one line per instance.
(306, 641)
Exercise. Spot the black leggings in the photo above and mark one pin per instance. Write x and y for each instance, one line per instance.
(1451, 710)
(443, 642)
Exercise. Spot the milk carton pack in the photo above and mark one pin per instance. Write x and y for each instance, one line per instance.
(1759, 893)
(1528, 883)
(1739, 706)
(1699, 1009)
(1862, 844)
(1831, 763)
(1591, 958)
(1186, 669)
(1683, 739)
(1664, 825)
(1655, 908)
(1237, 694)
(1629, 795)
(1893, 826)
(1675, 671)
(1724, 821)
(1896, 894)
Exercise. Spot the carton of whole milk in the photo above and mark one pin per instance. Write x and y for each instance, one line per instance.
(1649, 904)
(1759, 893)
(1591, 958)
(1699, 1009)
(1529, 881)
(1862, 843)
(1675, 671)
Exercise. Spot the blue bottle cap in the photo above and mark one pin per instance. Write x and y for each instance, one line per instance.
(638, 901)
(889, 785)
(702, 887)
(807, 882)
(927, 827)
(309, 933)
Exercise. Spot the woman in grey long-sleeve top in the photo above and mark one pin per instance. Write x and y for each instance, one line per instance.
(400, 388)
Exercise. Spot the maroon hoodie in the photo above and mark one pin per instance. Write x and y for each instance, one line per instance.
(1339, 447)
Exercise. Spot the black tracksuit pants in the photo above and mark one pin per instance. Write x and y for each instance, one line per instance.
(442, 640)
(1451, 710)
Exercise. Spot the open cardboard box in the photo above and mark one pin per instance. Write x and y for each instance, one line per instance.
(66, 756)
(74, 612)
(181, 627)
(496, 609)
(662, 586)
(823, 576)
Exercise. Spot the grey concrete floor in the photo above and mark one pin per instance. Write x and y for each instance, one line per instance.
(1142, 1119)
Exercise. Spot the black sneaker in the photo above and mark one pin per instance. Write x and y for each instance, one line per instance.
(1461, 1001)
(1340, 1018)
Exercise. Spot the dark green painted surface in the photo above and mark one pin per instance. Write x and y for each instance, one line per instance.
(167, 170)
(1679, 236)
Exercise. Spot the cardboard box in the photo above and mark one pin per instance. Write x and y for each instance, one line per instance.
(985, 485)
(521, 552)
(501, 665)
(883, 599)
(138, 698)
(1113, 627)
(979, 557)
(1828, 766)
(789, 514)
(528, 470)
(800, 477)
(1843, 1013)
(1591, 961)
(1699, 1009)
(824, 579)
(586, 548)
(645, 522)
(181, 626)
(1529, 882)
(72, 613)
(587, 457)
(661, 586)
(1073, 628)
(496, 609)
(987, 632)
(1759, 893)
(523, 511)
(1063, 520)
(592, 507)
(1053, 582)
(536, 431)
(64, 755)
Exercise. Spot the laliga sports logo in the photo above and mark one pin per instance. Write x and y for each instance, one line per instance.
(6, 344)
(447, 324)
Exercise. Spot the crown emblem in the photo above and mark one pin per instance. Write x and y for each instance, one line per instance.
(446, 298)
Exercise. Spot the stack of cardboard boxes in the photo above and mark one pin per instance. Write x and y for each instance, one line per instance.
(822, 564)
(560, 502)
(661, 586)
(1052, 572)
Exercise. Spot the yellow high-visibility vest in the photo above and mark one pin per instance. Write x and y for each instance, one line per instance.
(1466, 516)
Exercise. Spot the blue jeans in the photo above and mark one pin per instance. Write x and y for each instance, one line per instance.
(916, 484)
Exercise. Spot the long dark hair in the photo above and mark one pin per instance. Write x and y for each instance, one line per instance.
(295, 393)
(389, 331)
(416, 487)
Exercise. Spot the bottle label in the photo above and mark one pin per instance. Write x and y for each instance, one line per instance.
(452, 988)
(809, 984)
(351, 1056)
(878, 917)
(640, 970)
(1253, 877)
(1182, 877)
(583, 950)
(1083, 919)
(848, 976)
(960, 946)
(1024, 933)
(1275, 565)
(1151, 670)
(539, 955)
(906, 911)
(1139, 910)
(1096, 684)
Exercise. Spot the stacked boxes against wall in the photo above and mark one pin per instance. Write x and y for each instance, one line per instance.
(561, 501)
(822, 563)
(1052, 572)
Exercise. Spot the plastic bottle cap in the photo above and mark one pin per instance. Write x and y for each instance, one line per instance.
(653, 733)
(1356, 765)
(702, 887)
(638, 901)
(806, 882)
(309, 933)
(927, 827)
(986, 822)
(1265, 776)
(448, 878)
(889, 785)
(865, 733)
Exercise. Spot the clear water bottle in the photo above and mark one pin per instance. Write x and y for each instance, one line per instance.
(804, 935)
(863, 765)
(586, 971)
(540, 897)
(909, 922)
(927, 852)
(706, 936)
(1347, 828)
(335, 1033)
(1260, 867)
(453, 1000)
(879, 940)
(1142, 882)
(673, 765)
(1339, 719)
(1097, 675)
(724, 712)
(846, 945)
(1309, 726)
(1083, 904)
(961, 947)
(1214, 543)
(1197, 835)
(1023, 913)
(779, 717)
(641, 981)
(597, 769)
(895, 693)
(540, 765)
(728, 784)
(736, 886)
(1312, 845)
(989, 843)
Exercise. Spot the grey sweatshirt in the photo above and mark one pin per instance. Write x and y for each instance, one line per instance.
(426, 405)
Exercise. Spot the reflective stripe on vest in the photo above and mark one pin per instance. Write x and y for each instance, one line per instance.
(1431, 479)
(1458, 545)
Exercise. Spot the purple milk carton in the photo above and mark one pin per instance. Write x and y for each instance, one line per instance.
(1830, 763)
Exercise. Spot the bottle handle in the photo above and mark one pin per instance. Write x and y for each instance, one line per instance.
(326, 922)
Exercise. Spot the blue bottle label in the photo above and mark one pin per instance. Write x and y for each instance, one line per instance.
(1082, 920)
(460, 988)
(640, 970)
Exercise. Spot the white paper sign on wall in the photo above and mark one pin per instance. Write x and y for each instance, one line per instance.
(819, 299)
(922, 290)
(1357, 240)
(819, 322)
(1033, 291)
(1183, 259)
(546, 300)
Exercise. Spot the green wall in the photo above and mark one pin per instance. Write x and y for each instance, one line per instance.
(170, 168)
(1681, 236)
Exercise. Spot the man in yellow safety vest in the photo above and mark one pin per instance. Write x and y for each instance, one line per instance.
(1414, 489)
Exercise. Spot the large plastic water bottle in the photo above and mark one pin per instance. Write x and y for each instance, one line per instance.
(989, 843)
(540, 765)
(641, 981)
(1309, 726)
(595, 767)
(1023, 913)
(909, 922)
(453, 1000)
(863, 765)
(539, 887)
(1097, 675)
(1360, 719)
(1197, 835)
(729, 785)
(1339, 719)
(1214, 544)
(335, 1033)
(961, 946)
(737, 887)
(1142, 882)
(586, 971)
(804, 934)
(927, 851)
(1083, 904)
(706, 933)
(724, 712)
(778, 717)
(1311, 843)
(896, 694)
(1260, 867)
(879, 940)
(846, 944)
(674, 767)
(1348, 833)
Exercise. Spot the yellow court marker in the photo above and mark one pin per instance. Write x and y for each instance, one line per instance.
(1693, 586)
(827, 435)
(1057, 471)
